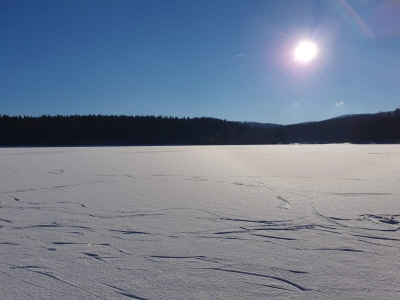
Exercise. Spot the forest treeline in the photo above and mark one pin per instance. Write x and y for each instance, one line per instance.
(89, 130)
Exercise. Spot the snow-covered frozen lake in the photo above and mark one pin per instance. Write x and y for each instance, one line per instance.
(229, 222)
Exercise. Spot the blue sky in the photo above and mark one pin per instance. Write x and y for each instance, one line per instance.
(226, 59)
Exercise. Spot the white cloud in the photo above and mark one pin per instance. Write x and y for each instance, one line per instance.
(339, 103)
(239, 54)
(296, 104)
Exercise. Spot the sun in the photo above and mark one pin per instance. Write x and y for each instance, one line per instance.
(305, 52)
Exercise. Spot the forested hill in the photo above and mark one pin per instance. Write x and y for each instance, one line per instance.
(151, 130)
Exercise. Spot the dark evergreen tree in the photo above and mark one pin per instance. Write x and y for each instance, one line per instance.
(151, 130)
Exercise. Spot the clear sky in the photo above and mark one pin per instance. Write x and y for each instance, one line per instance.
(226, 59)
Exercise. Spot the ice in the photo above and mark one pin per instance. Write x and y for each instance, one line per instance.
(201, 222)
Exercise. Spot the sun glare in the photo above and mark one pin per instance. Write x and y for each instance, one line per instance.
(305, 52)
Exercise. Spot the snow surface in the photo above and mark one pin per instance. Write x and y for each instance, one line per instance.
(231, 222)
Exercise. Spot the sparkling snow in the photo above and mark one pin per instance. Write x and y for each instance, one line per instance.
(229, 222)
